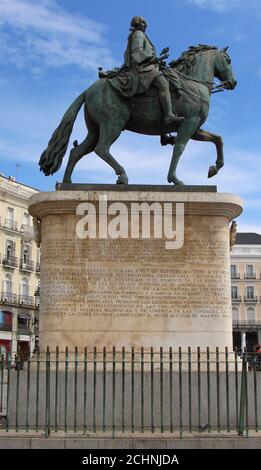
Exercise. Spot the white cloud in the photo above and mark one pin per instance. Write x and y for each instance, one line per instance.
(42, 34)
(216, 5)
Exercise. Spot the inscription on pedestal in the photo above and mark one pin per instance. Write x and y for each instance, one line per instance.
(136, 278)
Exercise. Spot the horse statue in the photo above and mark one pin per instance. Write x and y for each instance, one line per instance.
(107, 114)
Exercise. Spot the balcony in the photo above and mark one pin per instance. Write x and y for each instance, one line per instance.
(10, 261)
(236, 299)
(5, 327)
(26, 300)
(23, 329)
(26, 265)
(9, 298)
(11, 224)
(250, 300)
(246, 324)
(250, 276)
(235, 276)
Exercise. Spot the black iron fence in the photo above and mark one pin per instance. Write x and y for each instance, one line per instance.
(131, 391)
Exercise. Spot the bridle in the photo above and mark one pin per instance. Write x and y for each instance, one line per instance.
(213, 88)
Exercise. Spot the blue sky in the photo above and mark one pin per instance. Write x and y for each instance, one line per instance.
(50, 51)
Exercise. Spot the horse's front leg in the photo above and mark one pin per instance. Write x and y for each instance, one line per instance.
(205, 136)
(185, 132)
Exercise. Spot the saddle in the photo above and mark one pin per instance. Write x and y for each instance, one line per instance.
(175, 82)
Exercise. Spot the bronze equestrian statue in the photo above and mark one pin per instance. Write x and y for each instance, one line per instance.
(148, 97)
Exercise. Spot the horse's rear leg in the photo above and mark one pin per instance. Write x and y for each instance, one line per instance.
(87, 146)
(108, 135)
(205, 136)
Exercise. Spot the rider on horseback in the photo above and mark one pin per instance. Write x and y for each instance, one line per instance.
(141, 70)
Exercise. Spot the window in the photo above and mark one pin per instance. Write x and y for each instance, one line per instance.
(235, 314)
(8, 285)
(234, 292)
(10, 213)
(251, 315)
(233, 270)
(6, 320)
(26, 254)
(26, 219)
(24, 287)
(10, 249)
(23, 322)
(250, 292)
(10, 218)
(249, 271)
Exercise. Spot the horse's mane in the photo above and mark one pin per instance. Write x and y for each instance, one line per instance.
(186, 60)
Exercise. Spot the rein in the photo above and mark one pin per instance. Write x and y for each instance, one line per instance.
(212, 87)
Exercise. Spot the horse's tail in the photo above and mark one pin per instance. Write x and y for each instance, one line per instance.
(51, 159)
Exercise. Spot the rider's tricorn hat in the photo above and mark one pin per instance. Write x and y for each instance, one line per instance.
(136, 20)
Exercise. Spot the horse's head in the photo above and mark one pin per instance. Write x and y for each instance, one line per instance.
(223, 69)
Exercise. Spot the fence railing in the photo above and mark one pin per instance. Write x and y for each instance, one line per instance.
(131, 391)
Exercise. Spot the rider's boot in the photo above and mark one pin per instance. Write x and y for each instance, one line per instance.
(165, 100)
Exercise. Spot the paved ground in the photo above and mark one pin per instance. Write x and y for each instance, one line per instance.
(60, 440)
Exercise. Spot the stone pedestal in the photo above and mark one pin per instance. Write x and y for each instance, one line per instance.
(133, 291)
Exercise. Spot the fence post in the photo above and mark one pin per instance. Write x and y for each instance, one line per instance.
(47, 396)
(2, 359)
(243, 395)
(9, 359)
(113, 389)
(75, 387)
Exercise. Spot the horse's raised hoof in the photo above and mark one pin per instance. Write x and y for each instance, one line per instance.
(122, 179)
(212, 171)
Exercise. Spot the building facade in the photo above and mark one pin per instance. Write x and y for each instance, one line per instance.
(19, 271)
(246, 290)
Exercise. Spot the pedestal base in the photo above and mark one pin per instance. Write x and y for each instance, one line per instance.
(133, 291)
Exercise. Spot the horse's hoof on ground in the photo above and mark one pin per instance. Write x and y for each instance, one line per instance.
(122, 179)
(175, 181)
(67, 180)
(212, 171)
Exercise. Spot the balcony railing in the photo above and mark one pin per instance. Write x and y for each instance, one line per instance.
(11, 224)
(235, 276)
(10, 261)
(37, 267)
(253, 299)
(26, 300)
(9, 297)
(5, 327)
(24, 329)
(26, 265)
(250, 276)
(236, 299)
(237, 324)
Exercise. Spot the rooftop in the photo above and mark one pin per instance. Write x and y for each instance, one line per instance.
(248, 239)
(12, 179)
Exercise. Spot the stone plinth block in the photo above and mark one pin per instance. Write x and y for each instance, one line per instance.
(134, 291)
